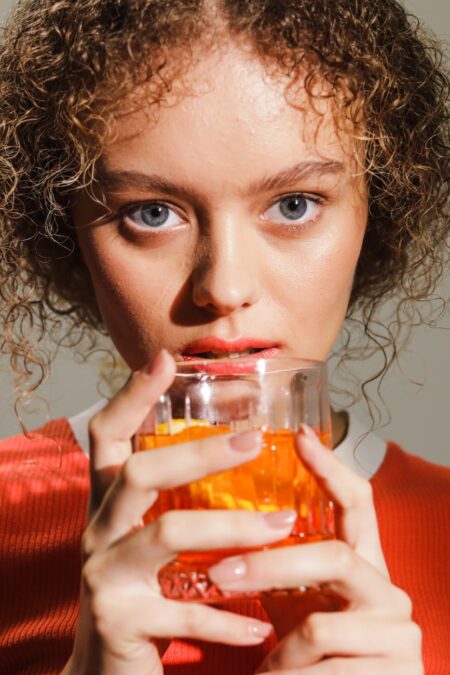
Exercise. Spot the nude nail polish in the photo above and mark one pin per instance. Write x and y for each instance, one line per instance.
(232, 569)
(247, 441)
(260, 630)
(280, 519)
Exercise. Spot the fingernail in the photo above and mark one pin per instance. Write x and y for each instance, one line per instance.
(305, 430)
(280, 519)
(232, 569)
(313, 445)
(246, 441)
(260, 630)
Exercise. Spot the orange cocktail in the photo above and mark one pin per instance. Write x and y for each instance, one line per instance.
(221, 396)
(275, 480)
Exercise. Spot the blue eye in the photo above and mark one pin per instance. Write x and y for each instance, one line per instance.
(154, 216)
(293, 208)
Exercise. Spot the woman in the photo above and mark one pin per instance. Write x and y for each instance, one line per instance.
(201, 177)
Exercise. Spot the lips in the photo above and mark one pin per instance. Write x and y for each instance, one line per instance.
(215, 347)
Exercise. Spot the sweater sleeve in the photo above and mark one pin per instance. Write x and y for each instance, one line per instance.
(43, 494)
(412, 500)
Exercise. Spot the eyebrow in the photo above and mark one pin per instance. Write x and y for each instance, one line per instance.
(116, 181)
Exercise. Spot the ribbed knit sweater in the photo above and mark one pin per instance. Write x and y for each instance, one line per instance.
(44, 485)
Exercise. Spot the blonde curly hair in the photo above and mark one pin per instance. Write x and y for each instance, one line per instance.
(65, 65)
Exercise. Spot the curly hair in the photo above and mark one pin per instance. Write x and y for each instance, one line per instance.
(66, 65)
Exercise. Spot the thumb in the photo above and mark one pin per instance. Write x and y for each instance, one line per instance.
(352, 495)
(112, 428)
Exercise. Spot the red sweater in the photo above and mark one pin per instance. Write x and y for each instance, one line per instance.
(44, 487)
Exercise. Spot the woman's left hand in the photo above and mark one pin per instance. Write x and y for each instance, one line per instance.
(374, 634)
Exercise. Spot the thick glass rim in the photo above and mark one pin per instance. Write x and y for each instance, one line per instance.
(249, 366)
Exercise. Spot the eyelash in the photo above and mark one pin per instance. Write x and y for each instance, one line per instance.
(125, 212)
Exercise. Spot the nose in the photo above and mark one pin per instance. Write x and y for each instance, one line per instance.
(225, 277)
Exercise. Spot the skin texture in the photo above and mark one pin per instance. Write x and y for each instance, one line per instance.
(227, 269)
(125, 624)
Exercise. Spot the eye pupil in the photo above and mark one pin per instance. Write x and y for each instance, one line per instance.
(155, 214)
(293, 207)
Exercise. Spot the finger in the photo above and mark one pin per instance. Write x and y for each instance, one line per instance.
(354, 666)
(145, 551)
(111, 429)
(331, 562)
(351, 493)
(146, 472)
(134, 611)
(200, 622)
(346, 634)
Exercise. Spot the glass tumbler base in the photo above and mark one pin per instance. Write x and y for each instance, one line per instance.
(180, 581)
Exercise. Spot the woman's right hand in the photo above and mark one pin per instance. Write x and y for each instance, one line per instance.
(124, 620)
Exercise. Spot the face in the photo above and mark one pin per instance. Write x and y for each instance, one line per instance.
(240, 216)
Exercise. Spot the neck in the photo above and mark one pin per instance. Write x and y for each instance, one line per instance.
(339, 426)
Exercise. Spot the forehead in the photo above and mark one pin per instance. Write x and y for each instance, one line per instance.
(228, 112)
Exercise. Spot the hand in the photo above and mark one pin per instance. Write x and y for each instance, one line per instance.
(375, 634)
(125, 623)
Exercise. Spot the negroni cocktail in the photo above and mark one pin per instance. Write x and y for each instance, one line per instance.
(213, 402)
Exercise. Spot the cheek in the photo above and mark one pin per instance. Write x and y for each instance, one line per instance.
(335, 256)
(317, 280)
(134, 293)
(312, 285)
(332, 276)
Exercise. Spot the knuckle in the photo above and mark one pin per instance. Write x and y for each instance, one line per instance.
(95, 427)
(342, 555)
(167, 530)
(204, 455)
(209, 453)
(194, 623)
(404, 603)
(91, 576)
(88, 543)
(132, 474)
(316, 629)
(104, 601)
(103, 617)
(416, 636)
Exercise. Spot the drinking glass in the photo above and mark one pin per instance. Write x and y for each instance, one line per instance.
(222, 396)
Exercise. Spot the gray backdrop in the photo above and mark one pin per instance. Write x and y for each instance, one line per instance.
(420, 415)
